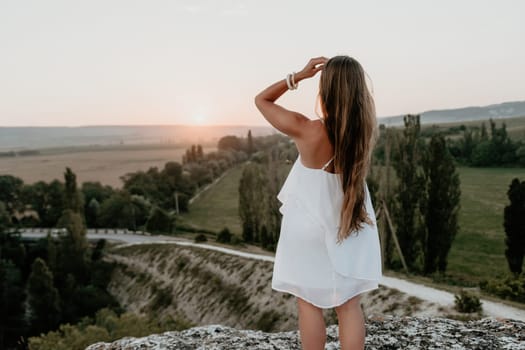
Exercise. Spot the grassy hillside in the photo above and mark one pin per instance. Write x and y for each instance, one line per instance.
(218, 207)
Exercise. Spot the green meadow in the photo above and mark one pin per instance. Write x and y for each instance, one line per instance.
(218, 207)
(478, 250)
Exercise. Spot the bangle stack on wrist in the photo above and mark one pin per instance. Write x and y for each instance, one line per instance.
(290, 81)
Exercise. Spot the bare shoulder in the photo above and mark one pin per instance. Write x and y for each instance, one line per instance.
(313, 131)
(314, 145)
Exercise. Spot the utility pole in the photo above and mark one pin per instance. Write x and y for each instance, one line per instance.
(382, 212)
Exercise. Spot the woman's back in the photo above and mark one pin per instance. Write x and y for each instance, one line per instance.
(328, 250)
(315, 147)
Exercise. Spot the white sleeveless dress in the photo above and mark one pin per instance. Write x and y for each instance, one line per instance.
(308, 261)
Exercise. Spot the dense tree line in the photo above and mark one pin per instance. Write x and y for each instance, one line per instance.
(473, 145)
(426, 198)
(479, 147)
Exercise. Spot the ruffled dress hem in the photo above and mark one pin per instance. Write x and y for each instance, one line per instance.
(366, 287)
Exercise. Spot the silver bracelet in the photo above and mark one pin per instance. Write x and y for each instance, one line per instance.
(290, 81)
(294, 84)
(288, 77)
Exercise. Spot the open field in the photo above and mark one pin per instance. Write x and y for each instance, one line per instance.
(91, 163)
(478, 250)
(218, 207)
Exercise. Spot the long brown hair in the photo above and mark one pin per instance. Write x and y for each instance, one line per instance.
(351, 124)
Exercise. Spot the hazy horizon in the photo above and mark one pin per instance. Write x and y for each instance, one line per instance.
(201, 62)
(219, 124)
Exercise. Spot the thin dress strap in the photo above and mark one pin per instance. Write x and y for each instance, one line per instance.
(327, 163)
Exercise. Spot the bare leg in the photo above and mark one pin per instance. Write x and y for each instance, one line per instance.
(352, 331)
(312, 328)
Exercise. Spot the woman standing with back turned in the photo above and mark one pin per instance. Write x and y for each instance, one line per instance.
(328, 251)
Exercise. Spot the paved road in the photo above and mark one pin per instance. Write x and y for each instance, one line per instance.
(434, 295)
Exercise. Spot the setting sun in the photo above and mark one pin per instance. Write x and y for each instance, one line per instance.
(199, 119)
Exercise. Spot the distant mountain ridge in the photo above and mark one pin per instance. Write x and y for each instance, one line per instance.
(494, 111)
(34, 137)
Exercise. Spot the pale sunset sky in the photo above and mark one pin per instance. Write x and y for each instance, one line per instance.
(71, 63)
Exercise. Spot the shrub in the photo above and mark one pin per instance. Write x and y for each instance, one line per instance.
(512, 288)
(236, 240)
(162, 298)
(467, 302)
(224, 236)
(200, 238)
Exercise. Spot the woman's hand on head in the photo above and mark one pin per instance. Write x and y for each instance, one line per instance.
(293, 124)
(312, 67)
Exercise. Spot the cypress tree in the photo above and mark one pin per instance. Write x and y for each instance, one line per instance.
(410, 192)
(193, 153)
(43, 298)
(484, 135)
(252, 200)
(514, 224)
(442, 204)
(273, 215)
(72, 254)
(250, 148)
(72, 196)
(200, 153)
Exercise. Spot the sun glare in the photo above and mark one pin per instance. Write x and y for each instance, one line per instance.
(199, 119)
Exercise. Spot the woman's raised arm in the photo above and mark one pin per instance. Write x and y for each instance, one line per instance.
(289, 122)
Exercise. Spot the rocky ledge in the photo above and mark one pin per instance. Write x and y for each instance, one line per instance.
(389, 332)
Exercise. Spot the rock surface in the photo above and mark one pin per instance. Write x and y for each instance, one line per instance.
(389, 332)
